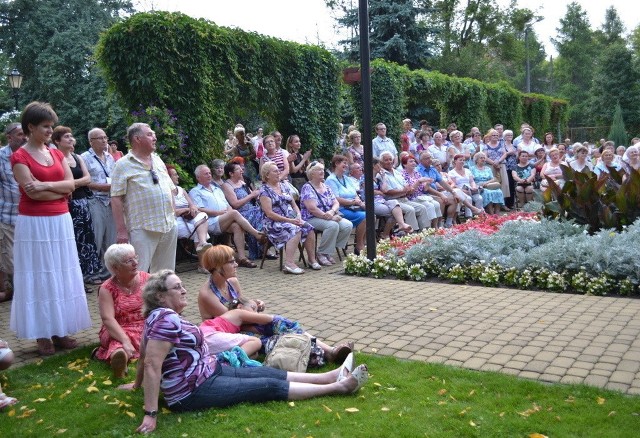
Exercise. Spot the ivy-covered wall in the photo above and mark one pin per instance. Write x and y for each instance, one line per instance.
(397, 91)
(211, 77)
(206, 78)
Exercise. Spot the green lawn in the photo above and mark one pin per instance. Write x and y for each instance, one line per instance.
(71, 396)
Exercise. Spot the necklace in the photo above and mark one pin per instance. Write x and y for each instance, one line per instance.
(128, 289)
(47, 159)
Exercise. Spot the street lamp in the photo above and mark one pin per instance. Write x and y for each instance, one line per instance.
(15, 81)
(527, 29)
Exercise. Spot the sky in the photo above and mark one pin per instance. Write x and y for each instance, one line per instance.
(311, 22)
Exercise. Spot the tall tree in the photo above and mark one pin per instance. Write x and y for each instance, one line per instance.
(615, 80)
(578, 50)
(51, 42)
(395, 33)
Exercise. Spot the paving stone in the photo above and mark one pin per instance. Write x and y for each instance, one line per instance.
(615, 386)
(629, 365)
(546, 356)
(537, 366)
(622, 377)
(474, 363)
(579, 372)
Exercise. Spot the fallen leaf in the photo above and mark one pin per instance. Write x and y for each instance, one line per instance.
(374, 350)
(179, 419)
(570, 399)
(530, 411)
(471, 423)
(612, 413)
(11, 413)
(317, 423)
(107, 382)
(433, 309)
(92, 389)
(537, 435)
(246, 429)
(40, 421)
(440, 403)
(61, 431)
(391, 388)
(352, 410)
(473, 391)
(502, 414)
(184, 435)
(376, 384)
(327, 408)
(64, 394)
(464, 411)
(442, 391)
(338, 415)
(40, 400)
(105, 397)
(37, 386)
(600, 400)
(292, 404)
(385, 409)
(131, 414)
(165, 411)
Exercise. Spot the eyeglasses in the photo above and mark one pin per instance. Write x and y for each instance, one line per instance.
(104, 138)
(154, 176)
(131, 261)
(231, 262)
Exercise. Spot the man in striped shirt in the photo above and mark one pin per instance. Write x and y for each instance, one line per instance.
(9, 197)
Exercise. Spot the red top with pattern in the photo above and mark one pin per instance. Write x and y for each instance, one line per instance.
(128, 313)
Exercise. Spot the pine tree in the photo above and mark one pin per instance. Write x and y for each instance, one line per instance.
(618, 133)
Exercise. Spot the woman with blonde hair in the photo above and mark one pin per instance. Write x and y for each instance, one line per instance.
(283, 221)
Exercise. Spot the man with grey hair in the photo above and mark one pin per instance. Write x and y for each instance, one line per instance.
(142, 202)
(100, 165)
(222, 218)
(9, 198)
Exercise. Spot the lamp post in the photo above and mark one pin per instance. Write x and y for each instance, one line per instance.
(527, 29)
(15, 81)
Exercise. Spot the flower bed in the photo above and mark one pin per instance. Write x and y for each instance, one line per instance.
(515, 250)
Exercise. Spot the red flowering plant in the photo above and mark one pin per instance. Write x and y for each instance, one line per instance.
(485, 224)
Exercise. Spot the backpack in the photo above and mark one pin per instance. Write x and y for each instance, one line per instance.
(289, 352)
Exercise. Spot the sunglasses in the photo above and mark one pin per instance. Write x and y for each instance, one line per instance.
(154, 176)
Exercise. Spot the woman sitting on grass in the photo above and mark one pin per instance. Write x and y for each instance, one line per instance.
(120, 305)
(176, 361)
(222, 288)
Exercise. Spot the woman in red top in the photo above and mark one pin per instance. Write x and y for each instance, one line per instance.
(49, 301)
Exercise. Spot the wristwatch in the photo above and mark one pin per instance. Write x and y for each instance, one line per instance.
(152, 414)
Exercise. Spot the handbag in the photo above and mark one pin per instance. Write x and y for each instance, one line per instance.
(493, 185)
(289, 352)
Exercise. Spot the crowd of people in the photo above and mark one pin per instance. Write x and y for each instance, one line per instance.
(112, 219)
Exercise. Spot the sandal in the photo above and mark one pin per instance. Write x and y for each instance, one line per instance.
(345, 368)
(202, 248)
(45, 347)
(361, 374)
(65, 342)
(246, 263)
(5, 400)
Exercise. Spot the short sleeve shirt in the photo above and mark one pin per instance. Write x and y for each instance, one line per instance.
(99, 171)
(147, 206)
(324, 200)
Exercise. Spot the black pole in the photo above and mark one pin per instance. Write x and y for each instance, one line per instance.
(528, 67)
(15, 96)
(365, 85)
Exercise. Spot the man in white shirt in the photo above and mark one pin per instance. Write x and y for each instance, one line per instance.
(383, 143)
(222, 218)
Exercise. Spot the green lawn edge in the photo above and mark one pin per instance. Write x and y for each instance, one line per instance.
(403, 398)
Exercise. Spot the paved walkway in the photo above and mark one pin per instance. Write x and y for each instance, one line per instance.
(535, 335)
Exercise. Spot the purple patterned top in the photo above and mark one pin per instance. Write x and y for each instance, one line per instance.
(326, 201)
(188, 363)
(411, 179)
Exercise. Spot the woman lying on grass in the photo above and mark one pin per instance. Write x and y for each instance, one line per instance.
(175, 360)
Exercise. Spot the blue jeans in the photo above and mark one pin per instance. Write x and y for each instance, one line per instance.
(229, 386)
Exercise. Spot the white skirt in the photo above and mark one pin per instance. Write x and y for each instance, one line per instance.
(49, 297)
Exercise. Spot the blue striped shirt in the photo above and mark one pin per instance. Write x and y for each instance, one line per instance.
(9, 192)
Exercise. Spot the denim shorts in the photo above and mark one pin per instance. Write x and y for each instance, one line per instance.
(229, 386)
